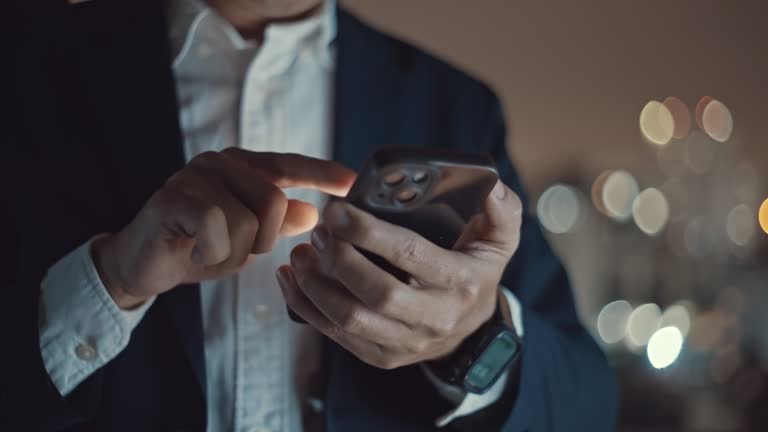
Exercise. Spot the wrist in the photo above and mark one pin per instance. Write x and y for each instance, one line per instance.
(485, 316)
(478, 361)
(103, 252)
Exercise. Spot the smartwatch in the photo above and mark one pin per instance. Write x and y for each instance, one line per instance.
(484, 356)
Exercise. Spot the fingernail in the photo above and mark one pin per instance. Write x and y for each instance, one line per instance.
(337, 215)
(283, 276)
(299, 258)
(499, 191)
(518, 206)
(319, 237)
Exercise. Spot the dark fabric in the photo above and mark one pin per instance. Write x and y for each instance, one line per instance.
(90, 130)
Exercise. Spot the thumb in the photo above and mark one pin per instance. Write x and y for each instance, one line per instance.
(300, 217)
(494, 234)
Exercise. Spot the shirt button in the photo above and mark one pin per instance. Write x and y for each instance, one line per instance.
(316, 405)
(261, 313)
(85, 352)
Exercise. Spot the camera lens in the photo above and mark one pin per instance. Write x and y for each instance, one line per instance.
(407, 195)
(420, 176)
(394, 178)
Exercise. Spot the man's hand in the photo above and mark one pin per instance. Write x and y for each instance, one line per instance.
(383, 321)
(209, 218)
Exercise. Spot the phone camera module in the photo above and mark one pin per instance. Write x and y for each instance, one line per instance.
(393, 178)
(407, 195)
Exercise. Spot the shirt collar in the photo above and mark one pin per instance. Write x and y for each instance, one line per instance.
(190, 17)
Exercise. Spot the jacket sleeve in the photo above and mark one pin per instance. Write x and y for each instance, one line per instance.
(564, 382)
(28, 398)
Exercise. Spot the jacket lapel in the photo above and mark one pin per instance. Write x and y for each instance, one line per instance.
(126, 67)
(367, 94)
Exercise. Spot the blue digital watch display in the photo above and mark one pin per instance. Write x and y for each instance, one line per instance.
(483, 357)
(492, 362)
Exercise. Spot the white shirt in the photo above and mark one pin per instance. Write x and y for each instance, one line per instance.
(276, 96)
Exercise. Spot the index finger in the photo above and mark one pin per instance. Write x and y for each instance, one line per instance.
(286, 170)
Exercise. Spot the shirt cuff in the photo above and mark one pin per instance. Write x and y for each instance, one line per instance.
(468, 403)
(81, 327)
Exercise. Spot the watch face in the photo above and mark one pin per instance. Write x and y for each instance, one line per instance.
(492, 362)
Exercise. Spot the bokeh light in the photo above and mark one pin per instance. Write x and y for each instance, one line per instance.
(597, 192)
(619, 192)
(717, 121)
(656, 123)
(740, 225)
(664, 347)
(681, 116)
(650, 211)
(677, 315)
(699, 111)
(558, 209)
(612, 321)
(763, 218)
(641, 324)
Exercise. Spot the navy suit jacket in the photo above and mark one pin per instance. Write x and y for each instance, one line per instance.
(90, 130)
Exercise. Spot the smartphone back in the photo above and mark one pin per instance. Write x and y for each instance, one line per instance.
(431, 191)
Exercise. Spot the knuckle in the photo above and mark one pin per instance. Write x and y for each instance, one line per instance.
(410, 251)
(336, 332)
(275, 196)
(247, 226)
(274, 170)
(442, 328)
(468, 291)
(460, 278)
(210, 215)
(386, 299)
(417, 346)
(351, 321)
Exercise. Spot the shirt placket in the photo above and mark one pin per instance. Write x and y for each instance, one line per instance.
(262, 345)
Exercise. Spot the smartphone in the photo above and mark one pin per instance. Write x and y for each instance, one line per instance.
(431, 191)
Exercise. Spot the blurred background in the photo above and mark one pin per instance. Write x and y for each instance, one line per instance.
(641, 132)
